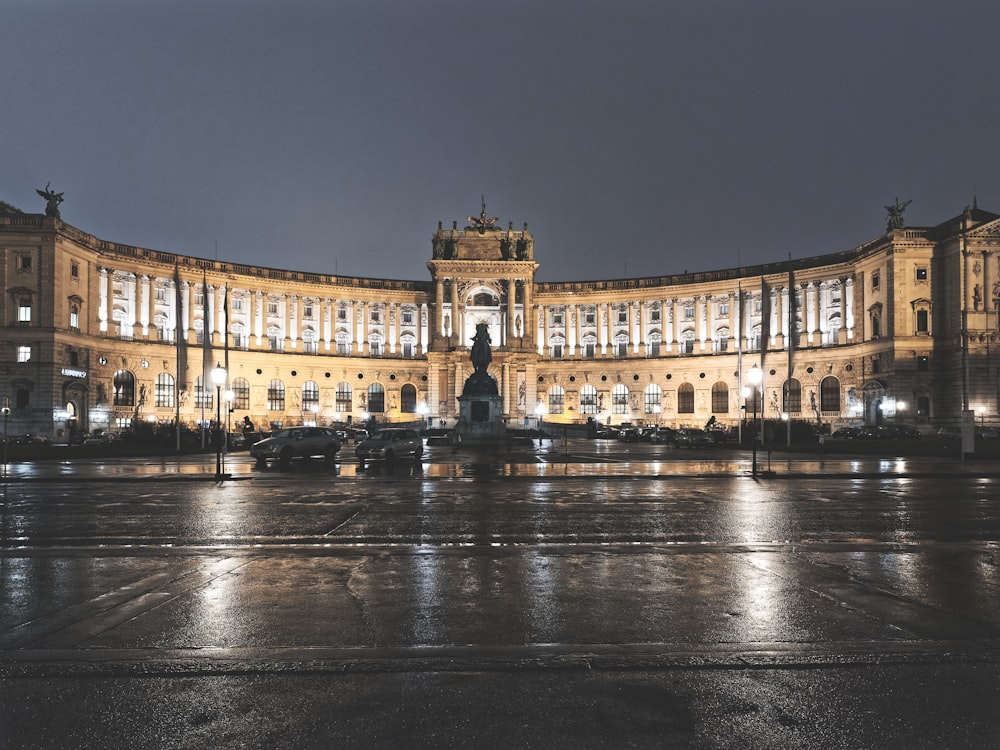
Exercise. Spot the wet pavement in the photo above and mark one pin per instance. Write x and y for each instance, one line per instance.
(573, 595)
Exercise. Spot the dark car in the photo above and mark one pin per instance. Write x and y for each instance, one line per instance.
(628, 435)
(845, 433)
(662, 436)
(390, 443)
(296, 442)
(902, 432)
(693, 438)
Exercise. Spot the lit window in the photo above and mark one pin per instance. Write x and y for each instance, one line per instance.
(74, 317)
(24, 311)
(24, 354)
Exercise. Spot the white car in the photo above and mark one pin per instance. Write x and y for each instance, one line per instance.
(389, 444)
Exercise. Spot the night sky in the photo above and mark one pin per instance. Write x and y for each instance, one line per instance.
(634, 138)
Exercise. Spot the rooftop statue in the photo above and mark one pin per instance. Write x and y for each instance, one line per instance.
(482, 222)
(52, 200)
(895, 220)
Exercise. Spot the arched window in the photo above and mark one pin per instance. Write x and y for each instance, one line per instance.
(652, 397)
(619, 399)
(344, 397)
(163, 396)
(829, 394)
(275, 395)
(241, 393)
(685, 399)
(791, 397)
(588, 400)
(310, 397)
(124, 383)
(408, 399)
(376, 398)
(720, 398)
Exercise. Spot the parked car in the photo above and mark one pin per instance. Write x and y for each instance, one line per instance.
(693, 438)
(100, 438)
(296, 442)
(628, 434)
(32, 440)
(390, 443)
(662, 436)
(902, 432)
(845, 433)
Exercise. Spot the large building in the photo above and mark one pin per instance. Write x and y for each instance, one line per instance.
(100, 335)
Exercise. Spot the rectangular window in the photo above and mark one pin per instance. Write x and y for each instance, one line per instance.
(343, 398)
(921, 274)
(590, 317)
(375, 348)
(654, 315)
(556, 401)
(199, 297)
(275, 343)
(922, 321)
(622, 315)
(923, 363)
(341, 313)
(654, 348)
(557, 318)
(25, 263)
(557, 351)
(74, 270)
(407, 317)
(723, 309)
(272, 308)
(923, 406)
(407, 350)
(307, 311)
(161, 294)
(621, 350)
(74, 318)
(376, 315)
(689, 312)
(241, 394)
(343, 347)
(588, 350)
(875, 279)
(24, 311)
(23, 398)
(24, 353)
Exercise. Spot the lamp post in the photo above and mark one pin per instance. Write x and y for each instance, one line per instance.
(900, 408)
(422, 411)
(755, 376)
(539, 414)
(229, 396)
(219, 379)
(6, 414)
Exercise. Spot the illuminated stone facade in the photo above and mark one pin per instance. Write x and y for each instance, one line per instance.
(98, 334)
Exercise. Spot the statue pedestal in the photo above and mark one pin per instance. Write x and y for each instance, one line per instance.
(480, 421)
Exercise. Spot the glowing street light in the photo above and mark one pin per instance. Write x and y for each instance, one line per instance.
(755, 377)
(219, 376)
(422, 411)
(539, 415)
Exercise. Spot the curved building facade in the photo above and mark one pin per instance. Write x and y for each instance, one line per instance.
(100, 335)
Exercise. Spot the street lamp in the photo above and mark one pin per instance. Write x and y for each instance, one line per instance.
(755, 376)
(219, 375)
(900, 408)
(6, 414)
(539, 414)
(422, 411)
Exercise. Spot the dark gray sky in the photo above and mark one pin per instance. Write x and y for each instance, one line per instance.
(634, 138)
